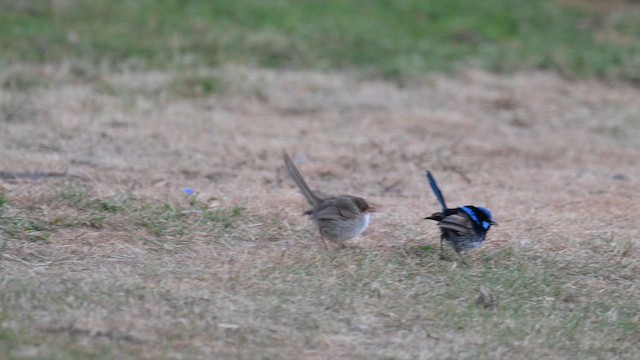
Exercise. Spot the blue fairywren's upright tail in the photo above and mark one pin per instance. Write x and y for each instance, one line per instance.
(436, 190)
(463, 228)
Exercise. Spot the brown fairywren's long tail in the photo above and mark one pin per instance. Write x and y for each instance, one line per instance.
(313, 199)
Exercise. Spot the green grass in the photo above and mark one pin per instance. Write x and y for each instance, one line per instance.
(77, 208)
(279, 304)
(395, 39)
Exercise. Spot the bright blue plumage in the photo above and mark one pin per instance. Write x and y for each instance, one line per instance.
(463, 228)
(471, 214)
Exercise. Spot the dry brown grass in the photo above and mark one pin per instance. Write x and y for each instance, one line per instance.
(112, 260)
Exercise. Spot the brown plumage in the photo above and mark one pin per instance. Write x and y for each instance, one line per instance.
(339, 218)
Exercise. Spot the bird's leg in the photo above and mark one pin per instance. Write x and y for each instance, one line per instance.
(462, 258)
(324, 243)
(442, 246)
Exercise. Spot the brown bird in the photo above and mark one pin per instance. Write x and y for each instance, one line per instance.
(339, 218)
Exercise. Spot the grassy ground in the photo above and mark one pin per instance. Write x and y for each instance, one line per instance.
(103, 255)
(394, 39)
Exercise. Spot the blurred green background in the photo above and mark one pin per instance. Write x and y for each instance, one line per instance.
(391, 39)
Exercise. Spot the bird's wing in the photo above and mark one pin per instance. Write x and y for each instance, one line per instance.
(458, 222)
(338, 208)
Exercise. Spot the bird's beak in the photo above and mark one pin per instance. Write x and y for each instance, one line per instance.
(493, 223)
(371, 209)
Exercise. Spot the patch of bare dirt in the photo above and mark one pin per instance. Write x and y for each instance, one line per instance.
(520, 145)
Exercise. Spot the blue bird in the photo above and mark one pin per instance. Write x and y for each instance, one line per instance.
(463, 228)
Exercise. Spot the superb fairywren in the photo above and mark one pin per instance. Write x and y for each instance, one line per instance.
(339, 218)
(463, 228)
